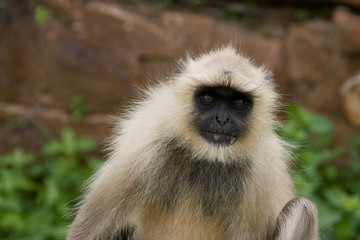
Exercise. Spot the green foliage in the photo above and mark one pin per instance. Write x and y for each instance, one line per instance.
(301, 14)
(228, 13)
(196, 3)
(36, 190)
(335, 191)
(250, 21)
(165, 4)
(79, 107)
(325, 11)
(42, 14)
(251, 4)
(191, 3)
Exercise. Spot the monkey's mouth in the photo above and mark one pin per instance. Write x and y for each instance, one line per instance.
(219, 138)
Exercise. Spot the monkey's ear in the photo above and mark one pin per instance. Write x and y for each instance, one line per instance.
(180, 67)
(269, 75)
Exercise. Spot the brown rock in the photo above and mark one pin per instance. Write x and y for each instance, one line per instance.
(101, 49)
(194, 29)
(355, 3)
(350, 92)
(200, 32)
(133, 40)
(312, 51)
(315, 66)
(30, 128)
(101, 59)
(263, 50)
(348, 25)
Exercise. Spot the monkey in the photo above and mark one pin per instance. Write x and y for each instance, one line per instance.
(197, 157)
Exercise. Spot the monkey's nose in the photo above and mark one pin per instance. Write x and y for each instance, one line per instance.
(222, 120)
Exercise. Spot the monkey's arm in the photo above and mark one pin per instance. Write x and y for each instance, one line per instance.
(297, 221)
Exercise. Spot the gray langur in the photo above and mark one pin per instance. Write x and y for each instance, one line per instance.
(198, 159)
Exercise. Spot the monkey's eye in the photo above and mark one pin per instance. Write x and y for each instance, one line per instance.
(239, 103)
(207, 98)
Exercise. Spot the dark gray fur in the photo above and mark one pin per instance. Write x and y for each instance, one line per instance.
(180, 67)
(227, 72)
(305, 228)
(269, 75)
(220, 186)
(127, 233)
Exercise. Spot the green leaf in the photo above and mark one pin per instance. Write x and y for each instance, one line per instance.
(42, 14)
(52, 148)
(35, 192)
(339, 198)
(352, 203)
(12, 221)
(344, 230)
(328, 216)
(331, 173)
(85, 145)
(68, 140)
(17, 158)
(321, 125)
(334, 189)
(323, 129)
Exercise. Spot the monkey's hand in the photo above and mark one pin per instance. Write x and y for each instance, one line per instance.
(297, 221)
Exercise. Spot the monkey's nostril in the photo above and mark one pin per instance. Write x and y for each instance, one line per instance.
(222, 120)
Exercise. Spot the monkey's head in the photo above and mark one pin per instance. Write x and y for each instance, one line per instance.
(225, 104)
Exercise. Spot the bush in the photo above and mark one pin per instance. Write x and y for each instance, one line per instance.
(335, 191)
(36, 190)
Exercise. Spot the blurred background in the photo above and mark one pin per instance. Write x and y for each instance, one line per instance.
(66, 66)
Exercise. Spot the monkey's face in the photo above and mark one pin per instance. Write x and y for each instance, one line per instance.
(222, 114)
(224, 105)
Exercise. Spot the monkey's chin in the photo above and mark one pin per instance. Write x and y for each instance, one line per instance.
(219, 139)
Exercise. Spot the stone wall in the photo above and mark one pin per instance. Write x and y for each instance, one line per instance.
(101, 51)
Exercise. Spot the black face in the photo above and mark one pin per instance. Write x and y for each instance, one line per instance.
(223, 114)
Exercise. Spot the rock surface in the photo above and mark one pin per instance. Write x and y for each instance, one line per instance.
(348, 26)
(315, 65)
(103, 50)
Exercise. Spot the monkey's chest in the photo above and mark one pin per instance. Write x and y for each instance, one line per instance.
(183, 223)
(213, 188)
(189, 220)
(199, 200)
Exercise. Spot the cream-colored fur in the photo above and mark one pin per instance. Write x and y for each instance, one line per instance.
(115, 198)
